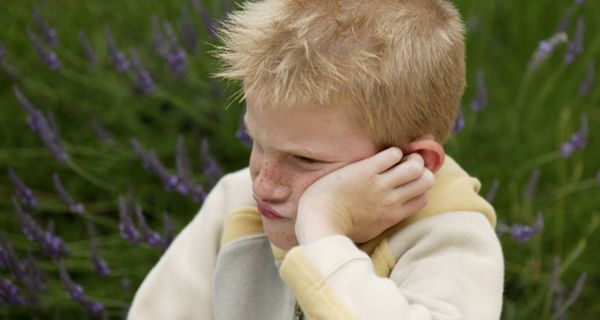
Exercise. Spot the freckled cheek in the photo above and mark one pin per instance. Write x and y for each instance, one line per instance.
(273, 170)
(304, 180)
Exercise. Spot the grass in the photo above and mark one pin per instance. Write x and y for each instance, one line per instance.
(529, 114)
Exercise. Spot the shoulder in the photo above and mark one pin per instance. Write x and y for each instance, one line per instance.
(234, 190)
(448, 230)
(458, 256)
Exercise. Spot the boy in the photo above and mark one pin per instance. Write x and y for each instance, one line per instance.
(338, 216)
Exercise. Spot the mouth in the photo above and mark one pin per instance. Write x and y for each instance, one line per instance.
(266, 211)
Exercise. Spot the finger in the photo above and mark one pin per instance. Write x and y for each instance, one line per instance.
(411, 156)
(414, 188)
(409, 208)
(383, 160)
(410, 169)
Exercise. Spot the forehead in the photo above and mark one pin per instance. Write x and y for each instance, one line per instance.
(326, 131)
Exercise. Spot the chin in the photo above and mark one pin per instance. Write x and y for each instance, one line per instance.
(281, 233)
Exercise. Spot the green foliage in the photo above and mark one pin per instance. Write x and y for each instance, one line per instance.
(529, 114)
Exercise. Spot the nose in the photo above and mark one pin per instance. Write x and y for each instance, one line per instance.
(270, 183)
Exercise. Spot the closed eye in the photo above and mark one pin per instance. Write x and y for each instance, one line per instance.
(307, 160)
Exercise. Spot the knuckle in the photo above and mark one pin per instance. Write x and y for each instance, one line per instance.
(391, 219)
(415, 167)
(394, 154)
(388, 202)
(429, 178)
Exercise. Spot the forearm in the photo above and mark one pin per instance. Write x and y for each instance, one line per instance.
(426, 283)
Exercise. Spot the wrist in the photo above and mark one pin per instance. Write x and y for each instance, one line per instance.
(312, 226)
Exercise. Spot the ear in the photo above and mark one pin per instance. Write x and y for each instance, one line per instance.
(432, 152)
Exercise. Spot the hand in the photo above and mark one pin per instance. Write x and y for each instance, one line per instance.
(363, 199)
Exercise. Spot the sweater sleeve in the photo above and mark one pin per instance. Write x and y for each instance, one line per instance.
(449, 266)
(179, 285)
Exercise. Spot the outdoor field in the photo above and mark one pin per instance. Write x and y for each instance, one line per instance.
(113, 129)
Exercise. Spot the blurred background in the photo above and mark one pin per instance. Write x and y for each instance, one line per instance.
(112, 131)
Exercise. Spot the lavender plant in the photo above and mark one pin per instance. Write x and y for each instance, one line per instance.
(548, 171)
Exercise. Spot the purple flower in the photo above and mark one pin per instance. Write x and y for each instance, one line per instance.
(76, 293)
(579, 2)
(563, 26)
(151, 163)
(128, 230)
(48, 34)
(94, 308)
(10, 293)
(157, 38)
(242, 133)
(10, 261)
(144, 82)
(545, 47)
(99, 265)
(577, 141)
(47, 56)
(152, 237)
(575, 47)
(175, 55)
(24, 271)
(118, 58)
(171, 182)
(2, 51)
(521, 233)
(43, 128)
(590, 79)
(459, 123)
(481, 97)
(23, 191)
(88, 51)
(74, 290)
(74, 207)
(210, 167)
(34, 280)
(198, 194)
(104, 135)
(209, 23)
(188, 31)
(29, 227)
(51, 244)
(491, 194)
(184, 186)
(532, 185)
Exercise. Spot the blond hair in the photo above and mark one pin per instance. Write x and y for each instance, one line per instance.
(398, 63)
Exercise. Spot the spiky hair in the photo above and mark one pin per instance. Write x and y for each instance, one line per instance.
(396, 64)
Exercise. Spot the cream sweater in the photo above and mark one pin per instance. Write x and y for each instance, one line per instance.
(443, 263)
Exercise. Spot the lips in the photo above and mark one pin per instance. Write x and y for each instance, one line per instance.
(266, 211)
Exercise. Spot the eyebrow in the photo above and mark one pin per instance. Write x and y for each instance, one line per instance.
(295, 150)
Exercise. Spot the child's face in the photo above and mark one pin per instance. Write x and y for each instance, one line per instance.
(292, 149)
